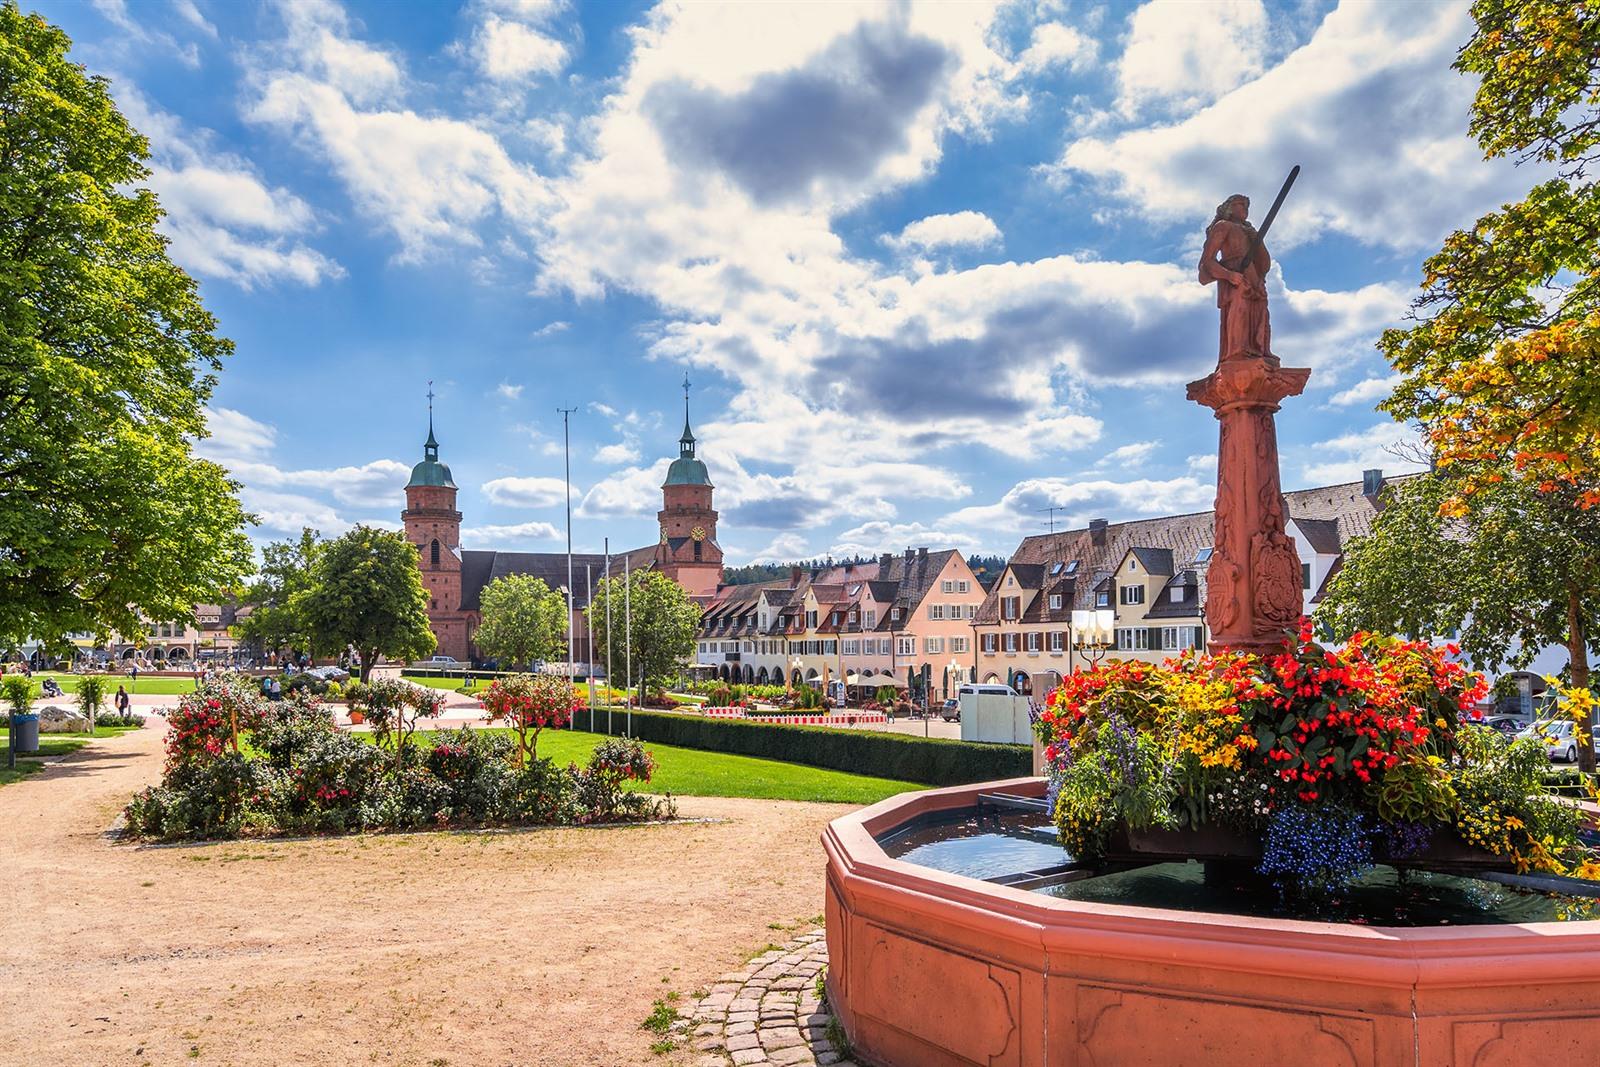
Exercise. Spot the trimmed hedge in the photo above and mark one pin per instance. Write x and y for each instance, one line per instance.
(928, 761)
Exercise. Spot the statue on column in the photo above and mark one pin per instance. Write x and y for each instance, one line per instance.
(1237, 261)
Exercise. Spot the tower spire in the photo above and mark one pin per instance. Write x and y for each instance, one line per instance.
(430, 448)
(686, 442)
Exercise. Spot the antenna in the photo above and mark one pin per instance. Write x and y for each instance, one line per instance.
(1052, 509)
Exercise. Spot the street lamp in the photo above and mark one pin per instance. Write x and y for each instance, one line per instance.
(794, 668)
(1093, 633)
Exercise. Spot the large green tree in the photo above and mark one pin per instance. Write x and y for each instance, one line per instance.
(523, 620)
(1499, 362)
(1516, 572)
(660, 639)
(366, 593)
(276, 620)
(106, 361)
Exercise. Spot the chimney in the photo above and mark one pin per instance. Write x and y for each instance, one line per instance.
(883, 565)
(1097, 531)
(922, 553)
(908, 553)
(794, 577)
(1371, 482)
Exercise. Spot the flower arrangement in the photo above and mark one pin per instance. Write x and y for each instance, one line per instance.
(1322, 757)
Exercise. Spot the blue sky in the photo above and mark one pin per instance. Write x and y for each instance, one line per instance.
(930, 267)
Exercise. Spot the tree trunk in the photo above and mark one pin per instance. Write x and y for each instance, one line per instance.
(1578, 655)
(368, 658)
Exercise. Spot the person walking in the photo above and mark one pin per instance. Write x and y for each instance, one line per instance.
(122, 702)
(276, 693)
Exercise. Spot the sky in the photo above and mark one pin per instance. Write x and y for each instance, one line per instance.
(930, 268)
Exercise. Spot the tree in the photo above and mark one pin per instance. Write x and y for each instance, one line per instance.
(663, 626)
(1517, 571)
(529, 703)
(366, 593)
(275, 620)
(523, 620)
(1498, 365)
(107, 359)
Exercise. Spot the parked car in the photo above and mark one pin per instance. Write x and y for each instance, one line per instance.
(439, 661)
(988, 689)
(1510, 725)
(329, 674)
(951, 712)
(1559, 737)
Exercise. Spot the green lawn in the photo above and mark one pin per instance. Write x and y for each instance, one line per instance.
(50, 747)
(154, 686)
(691, 772)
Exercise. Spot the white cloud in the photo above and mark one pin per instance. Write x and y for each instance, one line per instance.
(971, 229)
(235, 435)
(286, 513)
(507, 391)
(222, 219)
(783, 549)
(191, 14)
(508, 50)
(1369, 106)
(550, 329)
(617, 454)
(1204, 463)
(1129, 455)
(501, 536)
(1387, 446)
(1182, 54)
(1080, 500)
(1366, 392)
(137, 31)
(1055, 44)
(530, 492)
(873, 538)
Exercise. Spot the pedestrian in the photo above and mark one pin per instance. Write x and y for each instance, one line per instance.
(122, 702)
(277, 690)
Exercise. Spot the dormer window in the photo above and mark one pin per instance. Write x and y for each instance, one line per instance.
(1055, 601)
(894, 614)
(1177, 594)
(1055, 569)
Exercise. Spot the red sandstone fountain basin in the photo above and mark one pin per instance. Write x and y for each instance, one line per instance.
(928, 969)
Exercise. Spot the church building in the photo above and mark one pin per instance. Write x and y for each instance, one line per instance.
(454, 577)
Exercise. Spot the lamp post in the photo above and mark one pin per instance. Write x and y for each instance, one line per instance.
(1092, 633)
(795, 663)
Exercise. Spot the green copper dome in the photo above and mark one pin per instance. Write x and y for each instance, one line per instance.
(430, 471)
(686, 470)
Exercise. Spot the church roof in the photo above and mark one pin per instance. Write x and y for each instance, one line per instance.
(686, 470)
(479, 567)
(431, 472)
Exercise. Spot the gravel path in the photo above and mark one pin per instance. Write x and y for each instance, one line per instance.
(544, 947)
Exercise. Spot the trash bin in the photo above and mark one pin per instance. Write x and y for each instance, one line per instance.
(25, 734)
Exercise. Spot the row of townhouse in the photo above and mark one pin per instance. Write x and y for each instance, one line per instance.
(1151, 574)
(869, 624)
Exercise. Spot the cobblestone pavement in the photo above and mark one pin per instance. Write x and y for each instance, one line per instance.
(769, 1013)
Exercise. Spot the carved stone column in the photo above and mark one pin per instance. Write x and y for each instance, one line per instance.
(1253, 585)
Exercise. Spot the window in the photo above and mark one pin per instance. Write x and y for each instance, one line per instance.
(811, 620)
(947, 586)
(936, 611)
(872, 618)
(830, 648)
(908, 646)
(1131, 594)
(1102, 599)
(855, 616)
(1305, 576)
(1203, 556)
(852, 648)
(697, 551)
(1058, 640)
(1010, 607)
(1177, 594)
(991, 642)
(883, 646)
(1136, 639)
(433, 553)
(894, 614)
(1010, 642)
(958, 644)
(1056, 568)
(1055, 601)
(1072, 568)
(963, 587)
(933, 646)
(433, 603)
(1033, 642)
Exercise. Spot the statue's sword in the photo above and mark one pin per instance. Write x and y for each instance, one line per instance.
(1266, 223)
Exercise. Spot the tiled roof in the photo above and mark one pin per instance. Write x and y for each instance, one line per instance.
(1187, 608)
(479, 567)
(1157, 561)
(1345, 506)
(1321, 534)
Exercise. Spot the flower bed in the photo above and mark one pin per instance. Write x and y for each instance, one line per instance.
(237, 764)
(1315, 763)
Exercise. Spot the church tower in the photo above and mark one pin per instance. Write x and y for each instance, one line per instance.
(433, 524)
(688, 552)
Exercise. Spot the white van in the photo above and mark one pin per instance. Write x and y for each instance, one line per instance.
(988, 688)
(994, 712)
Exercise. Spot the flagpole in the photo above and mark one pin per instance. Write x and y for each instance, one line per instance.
(588, 621)
(566, 444)
(608, 636)
(627, 632)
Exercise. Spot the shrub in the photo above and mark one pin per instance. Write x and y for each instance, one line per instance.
(540, 792)
(928, 761)
(392, 707)
(599, 787)
(529, 703)
(17, 692)
(477, 768)
(117, 718)
(91, 694)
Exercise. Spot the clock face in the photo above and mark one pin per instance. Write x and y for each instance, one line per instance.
(698, 533)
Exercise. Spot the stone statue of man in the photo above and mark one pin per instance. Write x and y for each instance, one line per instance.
(1241, 285)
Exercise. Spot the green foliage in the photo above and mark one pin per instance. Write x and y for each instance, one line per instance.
(930, 761)
(1121, 778)
(1416, 790)
(276, 621)
(663, 626)
(523, 620)
(91, 694)
(614, 763)
(366, 593)
(17, 692)
(107, 359)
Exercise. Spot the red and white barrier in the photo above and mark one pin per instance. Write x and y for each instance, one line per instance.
(844, 718)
